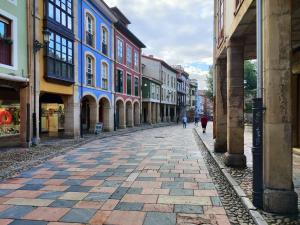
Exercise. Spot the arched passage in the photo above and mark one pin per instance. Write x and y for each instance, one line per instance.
(104, 113)
(89, 113)
(120, 114)
(129, 114)
(136, 107)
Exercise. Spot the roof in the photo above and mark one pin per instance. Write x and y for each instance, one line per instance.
(123, 29)
(162, 62)
(105, 9)
(120, 15)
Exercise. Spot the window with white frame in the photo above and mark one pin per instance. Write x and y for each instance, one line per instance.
(129, 56)
(104, 38)
(90, 30)
(104, 75)
(90, 69)
(136, 61)
(62, 12)
(119, 51)
(6, 41)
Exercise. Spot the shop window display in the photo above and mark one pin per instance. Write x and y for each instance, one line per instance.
(9, 118)
(52, 118)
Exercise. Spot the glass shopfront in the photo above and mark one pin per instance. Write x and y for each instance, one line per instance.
(9, 118)
(52, 118)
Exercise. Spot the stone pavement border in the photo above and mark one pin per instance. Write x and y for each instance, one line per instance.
(256, 216)
(9, 172)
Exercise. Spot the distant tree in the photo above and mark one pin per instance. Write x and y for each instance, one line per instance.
(250, 76)
(210, 84)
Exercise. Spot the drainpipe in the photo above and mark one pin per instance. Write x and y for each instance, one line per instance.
(82, 66)
(34, 122)
(257, 149)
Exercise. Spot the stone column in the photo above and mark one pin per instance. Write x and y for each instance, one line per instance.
(94, 115)
(235, 104)
(154, 113)
(175, 113)
(169, 113)
(129, 116)
(279, 195)
(72, 114)
(221, 106)
(158, 112)
(122, 114)
(149, 114)
(165, 113)
(24, 123)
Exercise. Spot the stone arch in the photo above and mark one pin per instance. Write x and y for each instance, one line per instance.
(89, 112)
(136, 111)
(120, 114)
(104, 113)
(129, 113)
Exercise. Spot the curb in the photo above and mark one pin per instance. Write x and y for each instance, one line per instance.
(254, 213)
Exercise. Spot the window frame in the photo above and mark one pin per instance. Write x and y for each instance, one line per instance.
(119, 86)
(87, 15)
(129, 63)
(93, 70)
(136, 60)
(104, 78)
(128, 91)
(104, 28)
(68, 14)
(136, 86)
(120, 60)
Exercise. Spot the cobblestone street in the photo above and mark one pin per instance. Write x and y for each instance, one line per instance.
(152, 177)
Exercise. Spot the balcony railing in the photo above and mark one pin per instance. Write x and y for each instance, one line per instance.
(104, 49)
(90, 39)
(89, 79)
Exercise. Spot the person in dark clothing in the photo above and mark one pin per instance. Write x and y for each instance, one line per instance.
(196, 121)
(204, 121)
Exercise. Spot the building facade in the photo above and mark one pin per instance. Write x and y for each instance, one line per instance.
(182, 91)
(235, 41)
(193, 89)
(160, 70)
(127, 72)
(95, 64)
(14, 78)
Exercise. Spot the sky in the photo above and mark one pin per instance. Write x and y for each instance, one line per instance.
(177, 31)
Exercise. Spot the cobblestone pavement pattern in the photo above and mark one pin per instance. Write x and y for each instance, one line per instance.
(153, 177)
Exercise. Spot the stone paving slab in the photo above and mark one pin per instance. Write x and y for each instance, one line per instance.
(137, 179)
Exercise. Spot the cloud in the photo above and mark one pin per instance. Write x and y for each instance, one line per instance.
(180, 32)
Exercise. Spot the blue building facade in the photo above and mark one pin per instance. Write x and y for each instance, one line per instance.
(95, 64)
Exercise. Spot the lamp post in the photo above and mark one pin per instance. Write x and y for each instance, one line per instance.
(37, 46)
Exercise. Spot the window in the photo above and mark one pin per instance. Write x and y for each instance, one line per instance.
(104, 76)
(62, 12)
(136, 86)
(129, 85)
(59, 58)
(119, 81)
(237, 3)
(220, 14)
(90, 70)
(129, 56)
(90, 30)
(119, 51)
(136, 61)
(157, 92)
(152, 90)
(5, 41)
(104, 41)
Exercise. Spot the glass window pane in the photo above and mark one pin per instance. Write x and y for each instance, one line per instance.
(57, 15)
(69, 23)
(63, 19)
(57, 3)
(51, 10)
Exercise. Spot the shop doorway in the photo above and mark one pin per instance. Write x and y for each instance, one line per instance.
(52, 115)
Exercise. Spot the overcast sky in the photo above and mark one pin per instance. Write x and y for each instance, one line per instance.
(177, 31)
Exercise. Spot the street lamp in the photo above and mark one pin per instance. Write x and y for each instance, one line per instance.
(38, 45)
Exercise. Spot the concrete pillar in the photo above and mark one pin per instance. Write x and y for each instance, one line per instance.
(158, 113)
(279, 195)
(94, 115)
(165, 113)
(72, 114)
(235, 104)
(221, 106)
(129, 115)
(149, 114)
(169, 113)
(24, 123)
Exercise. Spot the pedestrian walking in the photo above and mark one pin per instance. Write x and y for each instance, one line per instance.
(196, 121)
(184, 121)
(204, 121)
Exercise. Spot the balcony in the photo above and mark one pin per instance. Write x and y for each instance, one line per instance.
(89, 39)
(104, 49)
